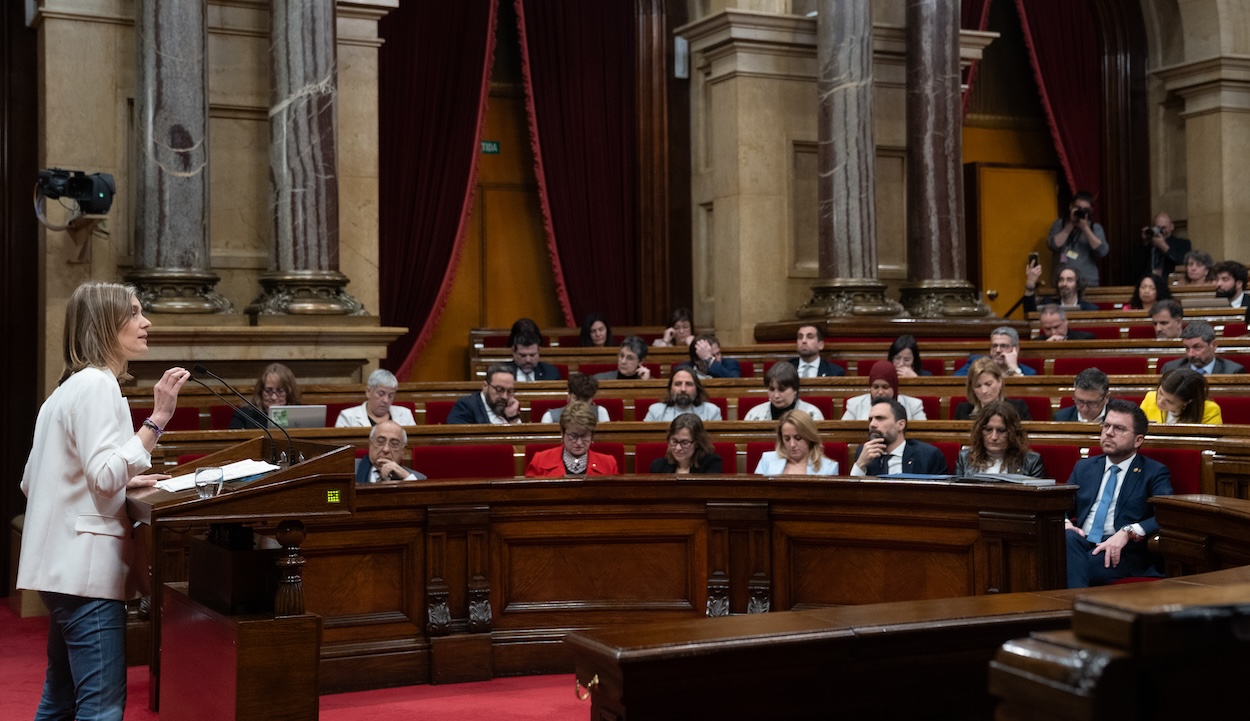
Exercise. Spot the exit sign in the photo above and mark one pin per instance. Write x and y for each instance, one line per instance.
(490, 147)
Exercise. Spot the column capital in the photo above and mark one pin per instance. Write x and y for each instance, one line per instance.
(1212, 85)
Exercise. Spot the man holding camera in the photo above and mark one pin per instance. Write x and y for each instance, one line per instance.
(1077, 241)
(1166, 250)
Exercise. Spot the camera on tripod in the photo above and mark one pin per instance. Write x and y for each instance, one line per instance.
(93, 193)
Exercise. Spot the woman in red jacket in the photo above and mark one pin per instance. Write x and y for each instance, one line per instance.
(573, 457)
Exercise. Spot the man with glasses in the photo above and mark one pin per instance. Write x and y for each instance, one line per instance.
(1112, 516)
(1089, 398)
(497, 403)
(387, 444)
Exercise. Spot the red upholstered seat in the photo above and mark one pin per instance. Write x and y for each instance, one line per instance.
(1111, 365)
(334, 409)
(1039, 408)
(949, 449)
(838, 451)
(471, 461)
(1037, 364)
(756, 449)
(936, 366)
(219, 417)
(932, 407)
(1185, 465)
(1232, 330)
(1234, 409)
(645, 453)
(1141, 331)
(436, 412)
(746, 403)
(746, 369)
(1058, 460)
(183, 419)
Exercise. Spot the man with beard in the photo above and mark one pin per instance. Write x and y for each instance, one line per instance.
(388, 441)
(810, 342)
(1070, 285)
(1230, 282)
(685, 395)
(888, 451)
(496, 403)
(1200, 347)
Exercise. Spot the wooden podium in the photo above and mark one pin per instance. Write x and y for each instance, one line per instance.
(226, 575)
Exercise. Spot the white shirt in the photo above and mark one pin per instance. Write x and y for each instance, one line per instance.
(859, 407)
(662, 412)
(1108, 527)
(763, 411)
(490, 412)
(893, 465)
(809, 369)
(358, 416)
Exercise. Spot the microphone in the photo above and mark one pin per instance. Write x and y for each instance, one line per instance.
(273, 449)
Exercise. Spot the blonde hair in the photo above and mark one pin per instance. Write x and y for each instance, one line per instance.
(981, 365)
(94, 315)
(806, 428)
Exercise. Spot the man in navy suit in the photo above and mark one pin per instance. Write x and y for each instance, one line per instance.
(888, 450)
(496, 403)
(706, 358)
(1089, 396)
(387, 443)
(1112, 514)
(811, 341)
(526, 365)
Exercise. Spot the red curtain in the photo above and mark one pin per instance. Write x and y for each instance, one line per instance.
(973, 15)
(433, 83)
(578, 66)
(1064, 50)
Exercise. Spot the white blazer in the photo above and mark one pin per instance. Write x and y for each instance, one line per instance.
(358, 416)
(858, 408)
(762, 412)
(77, 536)
(772, 464)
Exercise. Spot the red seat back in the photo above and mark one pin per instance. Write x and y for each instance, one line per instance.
(1058, 460)
(219, 417)
(932, 407)
(1111, 365)
(838, 451)
(183, 419)
(1139, 330)
(1037, 364)
(1039, 407)
(1185, 465)
(936, 366)
(334, 409)
(756, 449)
(1103, 332)
(472, 461)
(436, 412)
(746, 403)
(1234, 409)
(1232, 330)
(949, 449)
(746, 369)
(645, 453)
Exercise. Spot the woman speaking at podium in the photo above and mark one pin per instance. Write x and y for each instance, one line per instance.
(76, 543)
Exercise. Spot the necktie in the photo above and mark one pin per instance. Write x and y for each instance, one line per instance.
(529, 375)
(1100, 517)
(809, 370)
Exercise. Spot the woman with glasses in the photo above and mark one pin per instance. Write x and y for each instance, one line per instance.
(999, 444)
(276, 386)
(690, 448)
(573, 456)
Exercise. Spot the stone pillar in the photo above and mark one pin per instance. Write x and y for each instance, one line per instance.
(936, 257)
(303, 277)
(846, 153)
(171, 270)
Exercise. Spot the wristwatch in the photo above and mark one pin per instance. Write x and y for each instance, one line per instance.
(1129, 530)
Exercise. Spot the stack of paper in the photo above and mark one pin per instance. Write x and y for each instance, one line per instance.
(233, 472)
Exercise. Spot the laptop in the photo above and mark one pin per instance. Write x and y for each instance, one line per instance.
(311, 416)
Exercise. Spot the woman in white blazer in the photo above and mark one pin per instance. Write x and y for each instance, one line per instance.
(76, 541)
(882, 383)
(799, 449)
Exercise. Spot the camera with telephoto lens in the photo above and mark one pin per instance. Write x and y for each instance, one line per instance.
(93, 193)
(1081, 214)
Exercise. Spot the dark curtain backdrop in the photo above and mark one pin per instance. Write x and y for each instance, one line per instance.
(973, 15)
(1064, 49)
(578, 63)
(434, 79)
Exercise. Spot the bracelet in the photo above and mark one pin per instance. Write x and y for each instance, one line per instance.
(149, 423)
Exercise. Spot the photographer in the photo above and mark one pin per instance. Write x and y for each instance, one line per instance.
(1077, 240)
(1166, 250)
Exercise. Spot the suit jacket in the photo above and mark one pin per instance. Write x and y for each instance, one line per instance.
(358, 417)
(1066, 414)
(1032, 464)
(364, 466)
(963, 411)
(918, 457)
(1222, 365)
(1073, 334)
(542, 371)
(823, 370)
(550, 464)
(711, 464)
(724, 368)
(1145, 478)
(469, 409)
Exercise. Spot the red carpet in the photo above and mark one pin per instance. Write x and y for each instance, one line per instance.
(546, 698)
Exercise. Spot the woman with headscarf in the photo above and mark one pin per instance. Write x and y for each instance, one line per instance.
(882, 383)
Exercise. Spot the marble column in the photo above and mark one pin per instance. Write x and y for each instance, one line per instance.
(303, 277)
(846, 153)
(171, 257)
(936, 256)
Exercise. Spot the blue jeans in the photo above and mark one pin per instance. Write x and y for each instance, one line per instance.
(86, 677)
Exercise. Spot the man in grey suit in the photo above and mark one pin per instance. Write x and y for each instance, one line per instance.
(1200, 346)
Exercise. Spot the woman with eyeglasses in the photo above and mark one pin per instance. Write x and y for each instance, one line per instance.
(690, 448)
(573, 456)
(276, 386)
(999, 444)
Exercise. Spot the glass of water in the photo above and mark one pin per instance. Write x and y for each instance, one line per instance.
(208, 481)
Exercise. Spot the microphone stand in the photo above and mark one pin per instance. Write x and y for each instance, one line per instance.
(273, 449)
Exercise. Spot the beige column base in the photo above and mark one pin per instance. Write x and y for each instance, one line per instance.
(943, 299)
(178, 290)
(305, 292)
(841, 297)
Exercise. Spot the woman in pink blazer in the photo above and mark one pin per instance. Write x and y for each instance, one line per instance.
(573, 457)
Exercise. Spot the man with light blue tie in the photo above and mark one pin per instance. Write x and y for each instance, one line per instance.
(1199, 340)
(1111, 517)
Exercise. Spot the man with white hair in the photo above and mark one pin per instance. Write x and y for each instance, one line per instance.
(377, 406)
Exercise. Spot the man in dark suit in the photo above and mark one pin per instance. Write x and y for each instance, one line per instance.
(1111, 516)
(1054, 325)
(811, 341)
(888, 450)
(387, 444)
(1089, 396)
(526, 365)
(706, 358)
(1200, 346)
(1230, 282)
(496, 403)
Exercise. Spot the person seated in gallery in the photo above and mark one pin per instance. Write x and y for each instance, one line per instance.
(1200, 349)
(1090, 391)
(782, 382)
(581, 388)
(379, 397)
(1070, 286)
(810, 342)
(904, 353)
(388, 443)
(1150, 290)
(882, 384)
(799, 451)
(998, 443)
(706, 358)
(680, 331)
(690, 449)
(629, 365)
(573, 457)
(1181, 398)
(888, 450)
(985, 384)
(1198, 268)
(523, 325)
(596, 333)
(276, 386)
(685, 395)
(527, 364)
(496, 403)
(1168, 319)
(1053, 322)
(1005, 351)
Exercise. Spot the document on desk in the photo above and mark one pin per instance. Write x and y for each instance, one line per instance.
(233, 472)
(1017, 478)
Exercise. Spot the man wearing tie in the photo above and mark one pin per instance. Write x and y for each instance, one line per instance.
(526, 365)
(888, 451)
(388, 441)
(811, 341)
(1199, 340)
(1112, 514)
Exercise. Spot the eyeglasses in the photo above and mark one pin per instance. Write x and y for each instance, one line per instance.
(579, 437)
(1089, 404)
(273, 391)
(383, 442)
(680, 443)
(1115, 430)
(500, 390)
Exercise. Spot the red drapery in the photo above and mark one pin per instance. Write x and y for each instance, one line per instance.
(434, 80)
(973, 15)
(1063, 48)
(578, 67)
